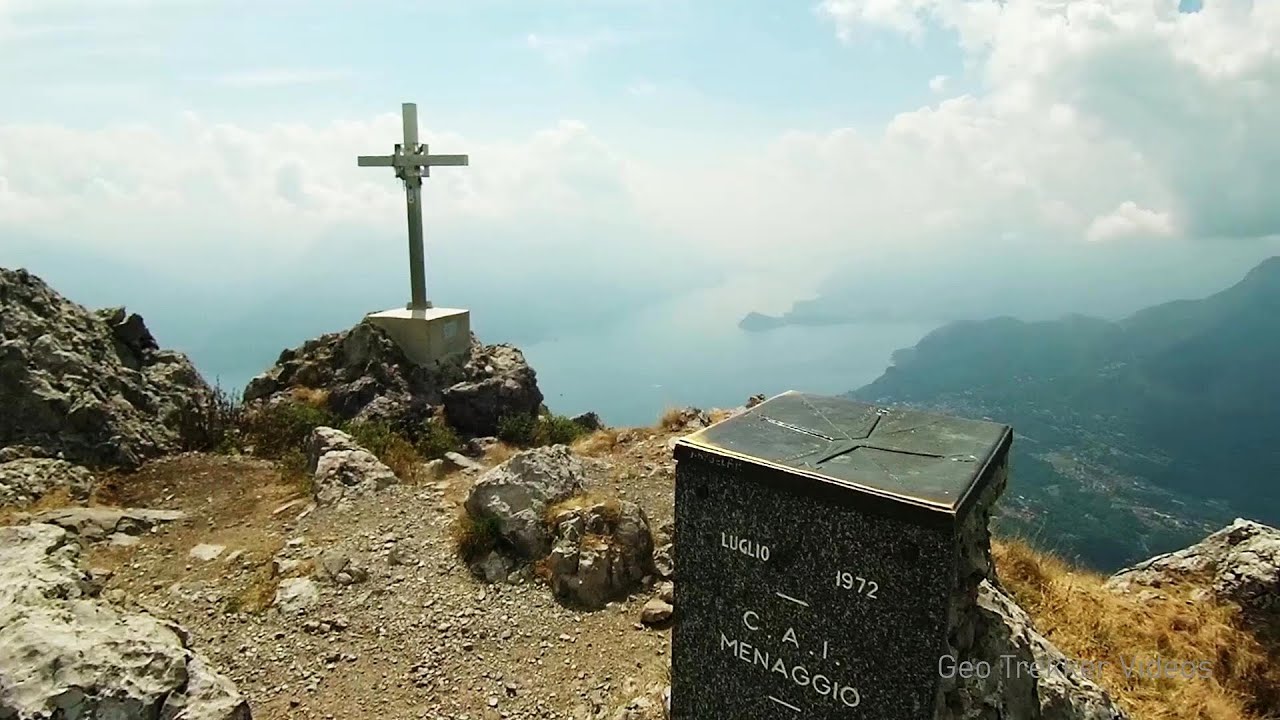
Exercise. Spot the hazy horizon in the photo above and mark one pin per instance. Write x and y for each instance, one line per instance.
(949, 158)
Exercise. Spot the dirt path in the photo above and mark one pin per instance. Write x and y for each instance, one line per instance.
(419, 638)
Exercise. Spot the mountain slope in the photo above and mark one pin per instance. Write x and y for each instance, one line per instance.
(1134, 436)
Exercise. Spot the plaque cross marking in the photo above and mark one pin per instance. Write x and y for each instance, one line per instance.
(412, 162)
(837, 446)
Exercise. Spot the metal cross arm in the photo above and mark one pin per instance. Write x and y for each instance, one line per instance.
(416, 160)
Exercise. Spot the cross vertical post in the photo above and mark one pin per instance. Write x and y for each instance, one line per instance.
(413, 200)
(411, 163)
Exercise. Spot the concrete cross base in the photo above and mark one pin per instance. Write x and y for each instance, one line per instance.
(429, 335)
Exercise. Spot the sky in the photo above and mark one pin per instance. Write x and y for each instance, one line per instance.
(195, 159)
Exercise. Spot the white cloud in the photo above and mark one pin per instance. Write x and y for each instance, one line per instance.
(938, 83)
(1098, 120)
(1130, 221)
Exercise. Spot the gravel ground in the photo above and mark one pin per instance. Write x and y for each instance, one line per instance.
(407, 632)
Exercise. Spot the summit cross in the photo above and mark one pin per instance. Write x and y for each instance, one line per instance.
(412, 163)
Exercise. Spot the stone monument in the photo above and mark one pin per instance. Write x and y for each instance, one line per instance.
(826, 552)
(425, 333)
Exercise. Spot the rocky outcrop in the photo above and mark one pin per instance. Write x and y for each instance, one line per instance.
(603, 551)
(516, 494)
(67, 654)
(25, 480)
(497, 382)
(1057, 690)
(364, 376)
(92, 387)
(988, 629)
(340, 468)
(1239, 564)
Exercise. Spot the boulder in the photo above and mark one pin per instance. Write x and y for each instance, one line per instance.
(1239, 564)
(65, 653)
(93, 388)
(603, 551)
(340, 468)
(25, 480)
(517, 493)
(590, 421)
(498, 383)
(365, 377)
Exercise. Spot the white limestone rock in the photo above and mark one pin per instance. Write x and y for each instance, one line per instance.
(93, 387)
(65, 653)
(516, 494)
(1239, 564)
(340, 468)
(25, 480)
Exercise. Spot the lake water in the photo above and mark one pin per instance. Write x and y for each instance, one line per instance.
(686, 351)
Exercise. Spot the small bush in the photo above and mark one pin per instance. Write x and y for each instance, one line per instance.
(475, 537)
(392, 448)
(278, 429)
(672, 419)
(210, 425)
(436, 439)
(293, 469)
(517, 429)
(533, 431)
(559, 430)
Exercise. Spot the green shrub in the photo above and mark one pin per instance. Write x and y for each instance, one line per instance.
(559, 430)
(389, 446)
(534, 431)
(436, 439)
(210, 425)
(278, 429)
(475, 537)
(518, 429)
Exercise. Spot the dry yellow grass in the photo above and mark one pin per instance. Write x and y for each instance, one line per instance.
(611, 507)
(315, 397)
(600, 442)
(1105, 629)
(500, 452)
(473, 538)
(717, 415)
(672, 419)
(52, 500)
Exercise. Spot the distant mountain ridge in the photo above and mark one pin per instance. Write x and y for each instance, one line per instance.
(1134, 436)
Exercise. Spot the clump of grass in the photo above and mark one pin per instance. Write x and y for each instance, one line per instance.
(436, 439)
(293, 469)
(1092, 624)
(610, 507)
(389, 446)
(672, 419)
(517, 429)
(600, 442)
(317, 398)
(474, 537)
(275, 430)
(535, 431)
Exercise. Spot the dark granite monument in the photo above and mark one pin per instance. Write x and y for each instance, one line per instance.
(825, 552)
